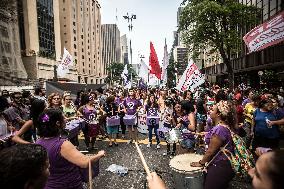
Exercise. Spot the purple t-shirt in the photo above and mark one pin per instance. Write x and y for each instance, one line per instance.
(131, 105)
(63, 174)
(225, 135)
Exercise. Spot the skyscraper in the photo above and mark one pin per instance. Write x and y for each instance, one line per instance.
(39, 27)
(111, 50)
(81, 35)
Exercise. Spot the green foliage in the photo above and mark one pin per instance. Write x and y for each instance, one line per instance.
(171, 80)
(216, 24)
(115, 70)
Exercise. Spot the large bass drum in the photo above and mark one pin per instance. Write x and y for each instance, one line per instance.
(185, 176)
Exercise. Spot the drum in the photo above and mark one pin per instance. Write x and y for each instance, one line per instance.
(95, 171)
(152, 120)
(162, 132)
(73, 128)
(130, 119)
(173, 136)
(185, 176)
(113, 121)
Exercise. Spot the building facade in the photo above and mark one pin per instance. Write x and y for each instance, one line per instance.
(246, 66)
(124, 49)
(111, 46)
(181, 59)
(40, 41)
(12, 70)
(81, 35)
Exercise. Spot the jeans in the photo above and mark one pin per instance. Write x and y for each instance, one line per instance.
(150, 129)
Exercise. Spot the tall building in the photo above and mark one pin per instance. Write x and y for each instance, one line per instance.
(246, 66)
(124, 49)
(80, 35)
(39, 27)
(12, 70)
(181, 58)
(111, 50)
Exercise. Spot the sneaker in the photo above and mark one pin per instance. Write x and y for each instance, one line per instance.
(158, 146)
(149, 145)
(130, 141)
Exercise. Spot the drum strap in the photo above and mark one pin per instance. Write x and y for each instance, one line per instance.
(221, 150)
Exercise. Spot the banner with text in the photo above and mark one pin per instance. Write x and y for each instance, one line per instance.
(66, 62)
(191, 78)
(267, 34)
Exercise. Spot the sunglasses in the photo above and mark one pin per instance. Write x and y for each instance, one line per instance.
(56, 98)
(68, 99)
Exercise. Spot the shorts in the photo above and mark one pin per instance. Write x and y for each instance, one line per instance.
(112, 130)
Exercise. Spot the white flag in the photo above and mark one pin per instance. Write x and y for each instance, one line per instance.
(125, 77)
(191, 78)
(66, 62)
(165, 64)
(144, 71)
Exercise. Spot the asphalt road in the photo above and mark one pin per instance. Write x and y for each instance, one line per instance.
(126, 155)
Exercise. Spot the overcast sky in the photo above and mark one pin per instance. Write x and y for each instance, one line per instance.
(156, 20)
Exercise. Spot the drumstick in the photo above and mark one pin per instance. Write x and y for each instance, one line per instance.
(143, 160)
(90, 175)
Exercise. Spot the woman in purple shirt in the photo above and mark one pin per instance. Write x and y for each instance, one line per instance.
(219, 170)
(65, 160)
(131, 106)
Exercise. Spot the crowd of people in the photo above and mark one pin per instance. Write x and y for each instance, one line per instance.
(36, 123)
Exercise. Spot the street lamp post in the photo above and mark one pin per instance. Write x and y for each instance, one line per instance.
(130, 27)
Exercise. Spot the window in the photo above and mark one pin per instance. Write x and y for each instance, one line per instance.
(74, 23)
(75, 53)
(74, 38)
(75, 46)
(83, 57)
(63, 9)
(83, 64)
(65, 42)
(64, 25)
(82, 36)
(83, 70)
(82, 50)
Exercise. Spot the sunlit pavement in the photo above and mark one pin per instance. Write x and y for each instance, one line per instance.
(126, 155)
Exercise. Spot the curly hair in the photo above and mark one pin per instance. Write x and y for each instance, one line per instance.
(20, 164)
(227, 112)
(51, 96)
(47, 123)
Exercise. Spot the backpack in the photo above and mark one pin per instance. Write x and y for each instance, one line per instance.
(242, 159)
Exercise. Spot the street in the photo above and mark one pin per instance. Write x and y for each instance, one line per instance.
(126, 155)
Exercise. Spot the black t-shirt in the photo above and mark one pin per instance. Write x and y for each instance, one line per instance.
(199, 106)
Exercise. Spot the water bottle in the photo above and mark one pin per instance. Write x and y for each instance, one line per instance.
(267, 121)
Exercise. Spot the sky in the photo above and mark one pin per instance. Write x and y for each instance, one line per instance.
(156, 20)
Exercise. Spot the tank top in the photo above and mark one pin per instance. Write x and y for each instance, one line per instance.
(63, 174)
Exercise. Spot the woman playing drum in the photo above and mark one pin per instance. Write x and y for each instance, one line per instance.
(89, 112)
(219, 170)
(111, 111)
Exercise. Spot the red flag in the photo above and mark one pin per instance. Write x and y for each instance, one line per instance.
(154, 62)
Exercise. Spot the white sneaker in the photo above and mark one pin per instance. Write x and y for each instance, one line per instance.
(158, 146)
(149, 145)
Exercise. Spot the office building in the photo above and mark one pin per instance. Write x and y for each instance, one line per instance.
(111, 47)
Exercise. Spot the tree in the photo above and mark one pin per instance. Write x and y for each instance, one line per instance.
(115, 70)
(216, 24)
(171, 71)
